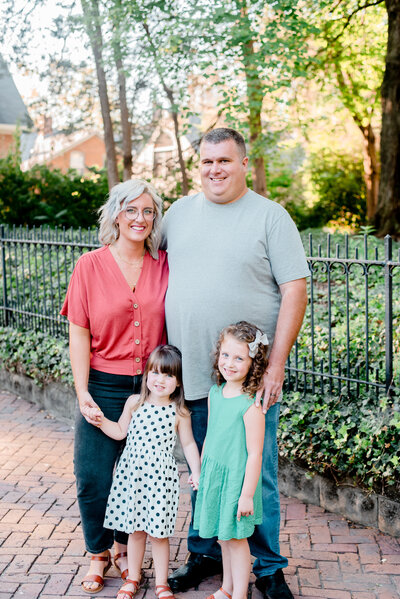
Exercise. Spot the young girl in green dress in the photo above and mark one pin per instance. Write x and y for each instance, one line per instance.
(229, 502)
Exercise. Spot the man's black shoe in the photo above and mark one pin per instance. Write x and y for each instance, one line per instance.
(274, 586)
(196, 568)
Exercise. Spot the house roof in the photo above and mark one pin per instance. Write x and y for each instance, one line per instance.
(45, 148)
(12, 108)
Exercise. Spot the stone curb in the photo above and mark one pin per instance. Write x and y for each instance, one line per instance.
(351, 502)
(56, 398)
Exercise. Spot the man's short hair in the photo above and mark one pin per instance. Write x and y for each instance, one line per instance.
(216, 136)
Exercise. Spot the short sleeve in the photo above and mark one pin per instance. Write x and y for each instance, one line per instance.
(75, 306)
(286, 251)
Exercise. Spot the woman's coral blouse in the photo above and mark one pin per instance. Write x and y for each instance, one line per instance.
(125, 325)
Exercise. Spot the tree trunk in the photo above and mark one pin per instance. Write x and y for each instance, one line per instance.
(258, 165)
(387, 218)
(371, 170)
(370, 160)
(174, 114)
(125, 122)
(255, 99)
(181, 160)
(126, 126)
(92, 18)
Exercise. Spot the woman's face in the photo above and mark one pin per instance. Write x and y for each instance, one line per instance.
(136, 220)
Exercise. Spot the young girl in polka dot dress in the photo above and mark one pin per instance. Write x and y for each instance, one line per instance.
(144, 495)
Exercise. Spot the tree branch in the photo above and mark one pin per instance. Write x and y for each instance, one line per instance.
(351, 15)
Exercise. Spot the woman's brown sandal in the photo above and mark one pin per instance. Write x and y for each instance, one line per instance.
(96, 577)
(117, 556)
(130, 594)
(164, 588)
(222, 591)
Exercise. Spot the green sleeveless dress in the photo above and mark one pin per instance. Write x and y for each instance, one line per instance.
(222, 471)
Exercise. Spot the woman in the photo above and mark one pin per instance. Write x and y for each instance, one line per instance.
(115, 307)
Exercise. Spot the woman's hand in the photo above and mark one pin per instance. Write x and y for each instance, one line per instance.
(90, 410)
(245, 507)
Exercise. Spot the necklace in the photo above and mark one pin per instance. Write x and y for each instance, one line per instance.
(135, 263)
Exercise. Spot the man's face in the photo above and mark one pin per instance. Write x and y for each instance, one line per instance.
(222, 171)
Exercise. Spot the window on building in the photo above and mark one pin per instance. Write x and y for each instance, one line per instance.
(77, 161)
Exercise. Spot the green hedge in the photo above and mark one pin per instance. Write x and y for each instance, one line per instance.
(38, 355)
(47, 196)
(335, 436)
(345, 438)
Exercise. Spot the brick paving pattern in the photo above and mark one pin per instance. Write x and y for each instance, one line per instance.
(42, 552)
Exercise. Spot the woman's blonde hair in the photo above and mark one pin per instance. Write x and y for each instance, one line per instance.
(118, 199)
(166, 359)
(246, 332)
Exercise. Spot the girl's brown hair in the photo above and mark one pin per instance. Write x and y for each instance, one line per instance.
(166, 359)
(245, 332)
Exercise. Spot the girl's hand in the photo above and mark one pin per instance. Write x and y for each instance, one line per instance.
(193, 481)
(94, 415)
(90, 410)
(245, 507)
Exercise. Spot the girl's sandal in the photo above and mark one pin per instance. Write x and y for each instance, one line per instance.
(130, 594)
(96, 577)
(117, 556)
(164, 588)
(222, 591)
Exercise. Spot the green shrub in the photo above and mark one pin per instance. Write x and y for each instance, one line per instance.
(339, 184)
(344, 438)
(45, 196)
(40, 356)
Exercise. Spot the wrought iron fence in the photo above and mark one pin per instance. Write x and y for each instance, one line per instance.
(350, 339)
(36, 265)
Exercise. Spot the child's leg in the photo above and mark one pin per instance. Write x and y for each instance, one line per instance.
(227, 582)
(136, 548)
(160, 551)
(240, 561)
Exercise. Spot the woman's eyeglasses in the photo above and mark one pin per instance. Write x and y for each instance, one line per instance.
(132, 213)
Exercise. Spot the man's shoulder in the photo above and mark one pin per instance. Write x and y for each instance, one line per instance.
(264, 203)
(186, 203)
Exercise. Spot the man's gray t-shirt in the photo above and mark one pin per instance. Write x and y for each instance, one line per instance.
(226, 262)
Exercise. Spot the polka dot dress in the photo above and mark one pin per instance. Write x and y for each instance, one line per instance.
(145, 490)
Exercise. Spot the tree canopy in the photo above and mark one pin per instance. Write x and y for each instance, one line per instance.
(299, 79)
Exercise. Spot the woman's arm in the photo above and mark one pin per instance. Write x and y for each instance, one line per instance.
(184, 427)
(79, 352)
(254, 422)
(118, 430)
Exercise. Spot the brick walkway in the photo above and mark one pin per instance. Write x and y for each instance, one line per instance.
(42, 552)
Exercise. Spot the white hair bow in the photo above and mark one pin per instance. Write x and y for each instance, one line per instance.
(253, 346)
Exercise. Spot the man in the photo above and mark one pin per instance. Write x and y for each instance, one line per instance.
(233, 255)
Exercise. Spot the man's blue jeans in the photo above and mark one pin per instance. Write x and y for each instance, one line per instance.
(264, 543)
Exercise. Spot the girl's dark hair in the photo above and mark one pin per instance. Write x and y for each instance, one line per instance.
(246, 332)
(166, 359)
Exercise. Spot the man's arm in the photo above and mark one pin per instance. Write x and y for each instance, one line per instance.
(290, 318)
